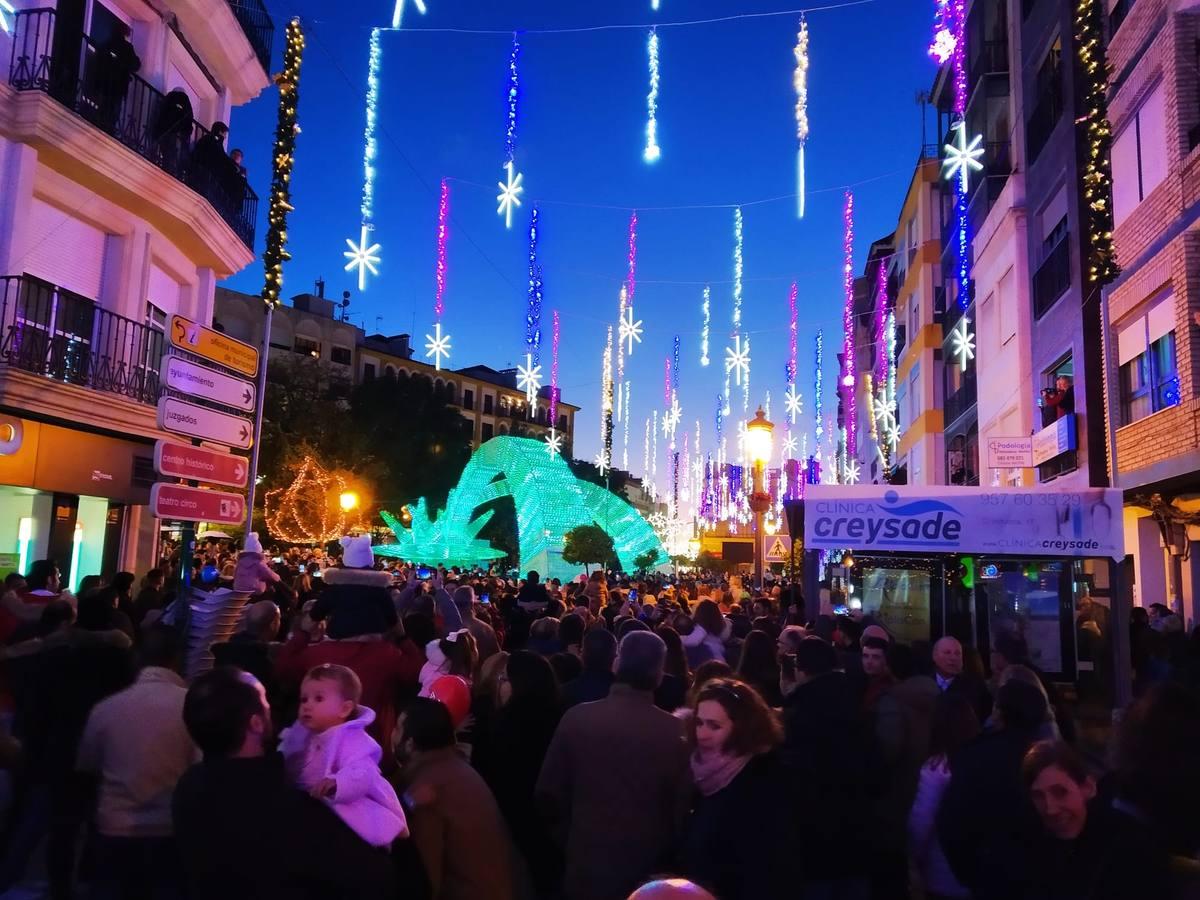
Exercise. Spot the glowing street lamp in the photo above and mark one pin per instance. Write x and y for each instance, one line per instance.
(348, 500)
(760, 446)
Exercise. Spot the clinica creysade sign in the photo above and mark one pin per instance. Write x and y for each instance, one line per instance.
(948, 519)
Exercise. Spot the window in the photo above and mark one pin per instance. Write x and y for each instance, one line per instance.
(341, 355)
(368, 371)
(487, 431)
(914, 315)
(914, 393)
(1149, 372)
(562, 422)
(1139, 155)
(307, 346)
(504, 405)
(902, 417)
(487, 404)
(1048, 101)
(468, 399)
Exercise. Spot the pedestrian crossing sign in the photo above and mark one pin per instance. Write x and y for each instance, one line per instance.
(777, 548)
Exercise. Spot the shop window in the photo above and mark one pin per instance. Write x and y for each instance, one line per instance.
(1139, 155)
(1149, 371)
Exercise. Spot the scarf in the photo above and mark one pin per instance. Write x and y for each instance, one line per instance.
(714, 771)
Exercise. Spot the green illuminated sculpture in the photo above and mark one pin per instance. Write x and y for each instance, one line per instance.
(549, 499)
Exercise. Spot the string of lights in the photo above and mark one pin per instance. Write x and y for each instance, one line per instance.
(286, 130)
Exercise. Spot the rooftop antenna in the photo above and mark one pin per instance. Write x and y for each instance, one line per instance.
(320, 288)
(345, 304)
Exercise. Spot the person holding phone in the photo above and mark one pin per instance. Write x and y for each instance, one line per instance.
(486, 643)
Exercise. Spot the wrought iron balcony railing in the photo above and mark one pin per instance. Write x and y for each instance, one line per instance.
(256, 22)
(65, 337)
(83, 76)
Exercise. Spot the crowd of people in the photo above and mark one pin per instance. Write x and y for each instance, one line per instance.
(410, 732)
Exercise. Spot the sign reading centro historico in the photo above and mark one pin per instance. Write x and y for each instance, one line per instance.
(947, 519)
(192, 337)
(200, 464)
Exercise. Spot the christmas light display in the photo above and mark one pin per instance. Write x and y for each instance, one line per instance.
(631, 279)
(554, 442)
(549, 501)
(1097, 172)
(630, 330)
(286, 129)
(625, 430)
(737, 269)
(440, 271)
(646, 454)
(800, 83)
(533, 312)
(849, 365)
(307, 511)
(737, 359)
(8, 13)
(554, 369)
(620, 350)
(510, 194)
(363, 256)
(398, 11)
(962, 341)
(962, 158)
(606, 396)
(529, 379)
(819, 343)
(652, 151)
(514, 93)
(706, 314)
(437, 345)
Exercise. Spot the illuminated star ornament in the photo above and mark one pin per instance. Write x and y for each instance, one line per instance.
(601, 461)
(554, 442)
(963, 158)
(398, 12)
(630, 330)
(737, 360)
(793, 403)
(529, 378)
(437, 346)
(789, 447)
(853, 472)
(362, 256)
(962, 341)
(943, 46)
(510, 194)
(6, 10)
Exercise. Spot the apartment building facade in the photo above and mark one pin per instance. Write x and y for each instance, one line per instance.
(1152, 308)
(118, 209)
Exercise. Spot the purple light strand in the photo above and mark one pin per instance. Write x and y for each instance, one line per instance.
(849, 379)
(442, 233)
(554, 372)
(632, 280)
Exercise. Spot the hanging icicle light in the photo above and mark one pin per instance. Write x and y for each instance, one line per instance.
(652, 151)
(800, 83)
(533, 312)
(438, 346)
(364, 256)
(706, 318)
(849, 364)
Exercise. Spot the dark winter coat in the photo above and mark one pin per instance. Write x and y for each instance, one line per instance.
(588, 687)
(762, 868)
(356, 602)
(243, 833)
(986, 821)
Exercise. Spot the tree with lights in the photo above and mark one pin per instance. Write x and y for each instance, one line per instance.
(286, 129)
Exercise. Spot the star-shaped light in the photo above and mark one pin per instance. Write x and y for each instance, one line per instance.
(962, 341)
(793, 403)
(853, 472)
(362, 256)
(601, 461)
(6, 10)
(437, 346)
(629, 330)
(892, 433)
(737, 360)
(510, 194)
(554, 442)
(398, 12)
(943, 46)
(962, 158)
(789, 447)
(529, 378)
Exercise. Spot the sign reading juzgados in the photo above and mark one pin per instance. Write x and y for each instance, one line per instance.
(193, 337)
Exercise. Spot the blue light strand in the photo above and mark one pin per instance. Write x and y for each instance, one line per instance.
(533, 314)
(514, 89)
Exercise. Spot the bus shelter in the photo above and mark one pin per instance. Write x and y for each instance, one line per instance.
(972, 562)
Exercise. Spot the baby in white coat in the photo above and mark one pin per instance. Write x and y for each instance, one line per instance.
(329, 754)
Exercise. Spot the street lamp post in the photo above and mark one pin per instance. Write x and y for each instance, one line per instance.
(759, 444)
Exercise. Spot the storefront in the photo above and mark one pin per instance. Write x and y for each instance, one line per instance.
(975, 563)
(73, 496)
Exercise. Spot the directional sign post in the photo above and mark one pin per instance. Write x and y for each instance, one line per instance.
(192, 337)
(190, 504)
(204, 424)
(200, 381)
(200, 464)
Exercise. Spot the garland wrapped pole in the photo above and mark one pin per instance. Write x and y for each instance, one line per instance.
(276, 254)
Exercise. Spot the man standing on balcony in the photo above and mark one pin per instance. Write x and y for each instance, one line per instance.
(116, 64)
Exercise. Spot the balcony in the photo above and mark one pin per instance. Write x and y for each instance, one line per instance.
(256, 23)
(1052, 278)
(987, 58)
(61, 336)
(962, 400)
(1040, 125)
(1119, 11)
(66, 67)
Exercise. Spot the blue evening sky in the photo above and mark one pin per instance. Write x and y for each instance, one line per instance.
(727, 132)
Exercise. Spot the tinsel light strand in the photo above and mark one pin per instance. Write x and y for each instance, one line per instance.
(370, 143)
(652, 151)
(800, 83)
(554, 371)
(631, 279)
(706, 320)
(514, 93)
(1097, 132)
(286, 128)
(439, 305)
(533, 312)
(849, 378)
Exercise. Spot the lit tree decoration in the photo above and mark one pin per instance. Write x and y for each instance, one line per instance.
(630, 330)
(533, 312)
(307, 511)
(737, 360)
(963, 158)
(529, 378)
(962, 341)
(652, 151)
(800, 83)
(6, 11)
(706, 312)
(510, 194)
(437, 346)
(849, 377)
(1097, 172)
(363, 256)
(398, 11)
(286, 129)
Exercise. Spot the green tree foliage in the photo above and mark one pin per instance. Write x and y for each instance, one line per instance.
(587, 544)
(645, 561)
(713, 563)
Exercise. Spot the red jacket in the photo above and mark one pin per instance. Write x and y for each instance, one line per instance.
(386, 672)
